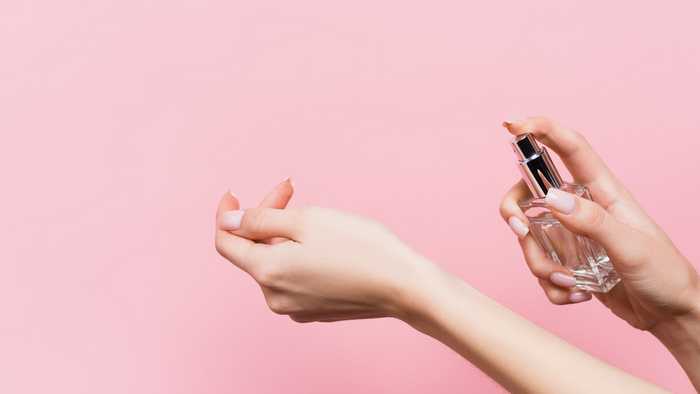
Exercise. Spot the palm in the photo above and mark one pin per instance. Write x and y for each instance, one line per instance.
(628, 306)
(642, 298)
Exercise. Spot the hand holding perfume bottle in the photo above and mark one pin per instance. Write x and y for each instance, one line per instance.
(658, 285)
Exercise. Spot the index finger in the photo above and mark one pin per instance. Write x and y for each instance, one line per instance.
(243, 253)
(278, 198)
(577, 154)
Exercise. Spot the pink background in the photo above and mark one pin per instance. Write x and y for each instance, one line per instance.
(124, 121)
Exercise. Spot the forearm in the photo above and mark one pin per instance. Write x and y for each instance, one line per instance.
(681, 336)
(513, 351)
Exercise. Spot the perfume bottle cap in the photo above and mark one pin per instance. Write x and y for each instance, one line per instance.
(526, 146)
(538, 170)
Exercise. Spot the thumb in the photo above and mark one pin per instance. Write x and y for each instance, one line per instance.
(624, 245)
(262, 223)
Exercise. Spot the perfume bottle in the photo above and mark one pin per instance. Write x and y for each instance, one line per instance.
(587, 260)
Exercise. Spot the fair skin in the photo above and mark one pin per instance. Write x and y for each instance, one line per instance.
(316, 264)
(659, 291)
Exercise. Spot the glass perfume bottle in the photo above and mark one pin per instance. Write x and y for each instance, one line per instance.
(587, 260)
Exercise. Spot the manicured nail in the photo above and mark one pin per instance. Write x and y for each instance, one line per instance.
(232, 195)
(507, 124)
(562, 279)
(519, 228)
(231, 220)
(579, 296)
(560, 201)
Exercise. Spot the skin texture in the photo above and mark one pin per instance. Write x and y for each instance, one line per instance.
(659, 289)
(327, 265)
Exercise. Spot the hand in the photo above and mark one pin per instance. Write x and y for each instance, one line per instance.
(658, 284)
(331, 266)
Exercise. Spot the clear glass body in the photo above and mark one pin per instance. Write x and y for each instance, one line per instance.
(587, 260)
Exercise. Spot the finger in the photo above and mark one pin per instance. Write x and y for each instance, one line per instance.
(543, 267)
(241, 252)
(228, 202)
(577, 154)
(626, 246)
(559, 296)
(511, 212)
(279, 197)
(539, 263)
(261, 223)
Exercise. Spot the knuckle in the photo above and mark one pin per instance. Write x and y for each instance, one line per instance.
(255, 220)
(540, 269)
(503, 208)
(554, 297)
(593, 218)
(266, 275)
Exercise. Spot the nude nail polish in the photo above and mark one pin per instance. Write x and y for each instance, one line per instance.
(231, 220)
(560, 200)
(562, 279)
(579, 296)
(587, 260)
(518, 226)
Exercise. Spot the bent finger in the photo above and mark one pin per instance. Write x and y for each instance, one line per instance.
(510, 210)
(235, 249)
(626, 246)
(261, 223)
(585, 165)
(278, 198)
(559, 296)
(542, 266)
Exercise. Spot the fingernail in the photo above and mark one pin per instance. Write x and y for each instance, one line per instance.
(231, 220)
(507, 124)
(562, 279)
(518, 226)
(579, 296)
(291, 183)
(232, 195)
(560, 201)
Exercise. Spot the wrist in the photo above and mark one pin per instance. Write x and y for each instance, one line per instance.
(416, 301)
(681, 333)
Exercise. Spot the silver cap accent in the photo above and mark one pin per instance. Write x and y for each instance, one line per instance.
(537, 168)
